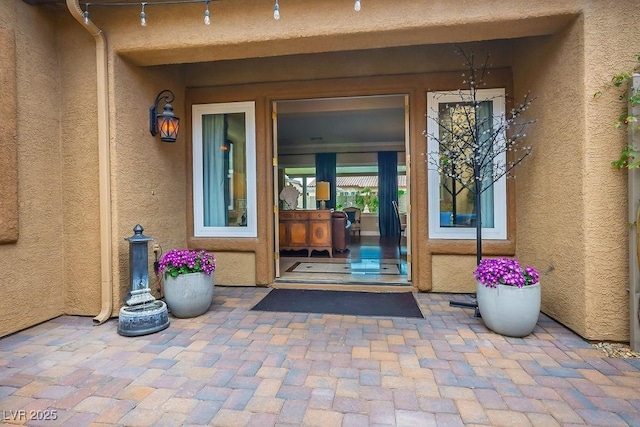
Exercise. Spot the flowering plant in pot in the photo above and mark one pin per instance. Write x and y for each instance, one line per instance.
(492, 272)
(508, 296)
(187, 281)
(186, 261)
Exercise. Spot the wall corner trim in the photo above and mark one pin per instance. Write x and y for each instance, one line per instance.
(8, 143)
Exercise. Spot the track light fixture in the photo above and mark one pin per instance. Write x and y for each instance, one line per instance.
(207, 14)
(276, 11)
(143, 16)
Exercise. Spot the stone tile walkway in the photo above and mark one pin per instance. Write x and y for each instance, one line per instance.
(236, 367)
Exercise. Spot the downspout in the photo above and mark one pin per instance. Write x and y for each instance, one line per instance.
(106, 242)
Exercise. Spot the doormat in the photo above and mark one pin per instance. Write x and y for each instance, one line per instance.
(362, 267)
(391, 304)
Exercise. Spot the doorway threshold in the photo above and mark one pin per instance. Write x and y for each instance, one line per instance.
(343, 286)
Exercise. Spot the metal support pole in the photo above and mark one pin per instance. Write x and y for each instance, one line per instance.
(634, 232)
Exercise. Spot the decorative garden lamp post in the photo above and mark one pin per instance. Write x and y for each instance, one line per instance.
(142, 314)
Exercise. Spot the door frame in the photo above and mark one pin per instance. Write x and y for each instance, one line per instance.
(407, 161)
(275, 172)
(276, 194)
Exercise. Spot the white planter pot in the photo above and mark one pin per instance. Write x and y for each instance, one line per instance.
(509, 310)
(188, 295)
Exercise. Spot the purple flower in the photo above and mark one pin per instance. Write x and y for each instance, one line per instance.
(186, 261)
(492, 272)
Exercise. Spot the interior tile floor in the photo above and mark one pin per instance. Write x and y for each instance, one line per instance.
(368, 259)
(236, 367)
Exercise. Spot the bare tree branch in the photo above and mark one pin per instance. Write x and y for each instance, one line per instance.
(475, 149)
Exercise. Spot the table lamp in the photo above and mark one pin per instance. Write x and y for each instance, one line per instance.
(322, 193)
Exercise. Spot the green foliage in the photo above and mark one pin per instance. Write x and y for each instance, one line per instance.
(622, 78)
(366, 197)
(373, 207)
(359, 201)
(629, 158)
(629, 154)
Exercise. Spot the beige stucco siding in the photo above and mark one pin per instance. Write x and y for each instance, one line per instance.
(453, 273)
(550, 198)
(362, 63)
(32, 279)
(331, 25)
(78, 169)
(8, 145)
(611, 41)
(570, 205)
(235, 269)
(148, 175)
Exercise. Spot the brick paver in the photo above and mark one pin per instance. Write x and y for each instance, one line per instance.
(233, 366)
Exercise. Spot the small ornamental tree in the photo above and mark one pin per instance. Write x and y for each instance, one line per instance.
(476, 149)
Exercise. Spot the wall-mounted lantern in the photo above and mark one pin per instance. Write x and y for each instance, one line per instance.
(165, 123)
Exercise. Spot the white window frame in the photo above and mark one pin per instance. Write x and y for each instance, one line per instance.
(249, 110)
(499, 229)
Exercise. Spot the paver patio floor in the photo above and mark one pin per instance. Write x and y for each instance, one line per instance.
(236, 367)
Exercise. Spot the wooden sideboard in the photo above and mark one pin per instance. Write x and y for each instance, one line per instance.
(305, 229)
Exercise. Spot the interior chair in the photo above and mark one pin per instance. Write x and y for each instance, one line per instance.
(353, 213)
(401, 225)
(340, 231)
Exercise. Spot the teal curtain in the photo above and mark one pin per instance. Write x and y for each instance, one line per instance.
(214, 172)
(326, 171)
(485, 117)
(387, 192)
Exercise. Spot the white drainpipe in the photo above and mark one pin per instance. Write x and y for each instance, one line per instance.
(104, 163)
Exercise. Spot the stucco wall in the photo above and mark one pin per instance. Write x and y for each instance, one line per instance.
(550, 198)
(611, 43)
(453, 273)
(569, 185)
(243, 29)
(32, 280)
(78, 168)
(148, 175)
(8, 147)
(588, 250)
(571, 204)
(387, 61)
(235, 269)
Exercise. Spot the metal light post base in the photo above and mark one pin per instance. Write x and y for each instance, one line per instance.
(143, 319)
(142, 314)
(141, 296)
(461, 304)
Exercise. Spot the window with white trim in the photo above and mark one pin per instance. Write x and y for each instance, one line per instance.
(224, 170)
(452, 207)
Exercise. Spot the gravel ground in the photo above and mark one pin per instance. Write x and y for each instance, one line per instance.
(616, 350)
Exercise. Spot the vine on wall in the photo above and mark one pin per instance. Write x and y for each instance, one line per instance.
(630, 154)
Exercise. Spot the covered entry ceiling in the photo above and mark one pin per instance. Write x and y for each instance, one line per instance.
(347, 125)
(246, 29)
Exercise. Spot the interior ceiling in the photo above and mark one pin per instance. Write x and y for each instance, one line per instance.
(41, 2)
(341, 125)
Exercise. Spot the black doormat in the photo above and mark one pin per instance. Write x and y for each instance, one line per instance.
(392, 304)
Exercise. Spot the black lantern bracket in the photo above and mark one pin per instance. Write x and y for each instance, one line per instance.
(165, 123)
